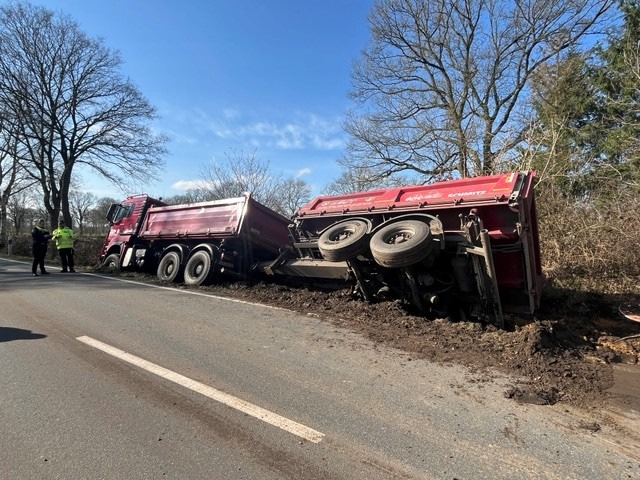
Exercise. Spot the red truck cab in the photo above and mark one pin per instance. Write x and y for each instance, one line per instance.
(125, 220)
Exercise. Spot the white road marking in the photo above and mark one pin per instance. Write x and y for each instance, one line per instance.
(190, 292)
(217, 395)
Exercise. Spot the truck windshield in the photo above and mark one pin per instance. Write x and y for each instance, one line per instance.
(118, 212)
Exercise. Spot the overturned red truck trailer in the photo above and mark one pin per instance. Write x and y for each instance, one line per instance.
(464, 248)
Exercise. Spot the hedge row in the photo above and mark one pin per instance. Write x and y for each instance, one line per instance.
(87, 249)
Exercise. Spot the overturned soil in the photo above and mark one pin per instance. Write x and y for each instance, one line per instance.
(566, 352)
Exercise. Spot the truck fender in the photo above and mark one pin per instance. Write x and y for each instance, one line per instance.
(210, 248)
(113, 249)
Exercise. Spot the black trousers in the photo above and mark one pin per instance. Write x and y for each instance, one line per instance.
(39, 254)
(66, 257)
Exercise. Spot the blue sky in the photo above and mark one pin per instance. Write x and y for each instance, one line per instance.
(235, 75)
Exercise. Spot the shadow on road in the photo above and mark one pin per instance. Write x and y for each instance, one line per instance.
(8, 334)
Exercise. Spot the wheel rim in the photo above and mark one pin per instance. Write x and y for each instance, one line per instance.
(169, 268)
(400, 236)
(198, 269)
(342, 235)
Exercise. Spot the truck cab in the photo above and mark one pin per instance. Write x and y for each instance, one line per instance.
(125, 220)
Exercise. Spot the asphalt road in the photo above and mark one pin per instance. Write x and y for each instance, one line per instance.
(104, 378)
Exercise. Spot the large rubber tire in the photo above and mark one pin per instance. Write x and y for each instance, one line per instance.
(198, 268)
(169, 268)
(401, 244)
(343, 241)
(111, 263)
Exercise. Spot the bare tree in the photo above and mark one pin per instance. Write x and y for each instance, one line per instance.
(19, 213)
(242, 173)
(81, 204)
(97, 216)
(12, 177)
(70, 107)
(442, 82)
(293, 193)
(358, 179)
(8, 175)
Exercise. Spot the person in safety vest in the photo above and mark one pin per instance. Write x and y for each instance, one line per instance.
(64, 237)
(40, 237)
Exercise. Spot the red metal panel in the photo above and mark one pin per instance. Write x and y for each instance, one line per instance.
(122, 230)
(127, 224)
(219, 218)
(265, 226)
(234, 217)
(494, 189)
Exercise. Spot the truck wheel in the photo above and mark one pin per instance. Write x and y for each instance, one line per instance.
(343, 240)
(401, 243)
(198, 268)
(111, 263)
(169, 269)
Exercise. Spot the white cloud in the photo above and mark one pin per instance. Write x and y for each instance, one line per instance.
(302, 171)
(301, 131)
(185, 185)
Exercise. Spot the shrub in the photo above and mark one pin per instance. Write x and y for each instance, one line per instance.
(587, 246)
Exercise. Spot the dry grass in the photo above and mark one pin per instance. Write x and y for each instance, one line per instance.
(591, 247)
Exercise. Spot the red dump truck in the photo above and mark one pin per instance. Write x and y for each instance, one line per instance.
(464, 248)
(195, 242)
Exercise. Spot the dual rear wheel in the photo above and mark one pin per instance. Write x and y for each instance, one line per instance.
(398, 244)
(198, 268)
(196, 272)
(401, 244)
(343, 241)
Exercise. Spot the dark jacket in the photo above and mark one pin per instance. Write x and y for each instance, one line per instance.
(40, 237)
